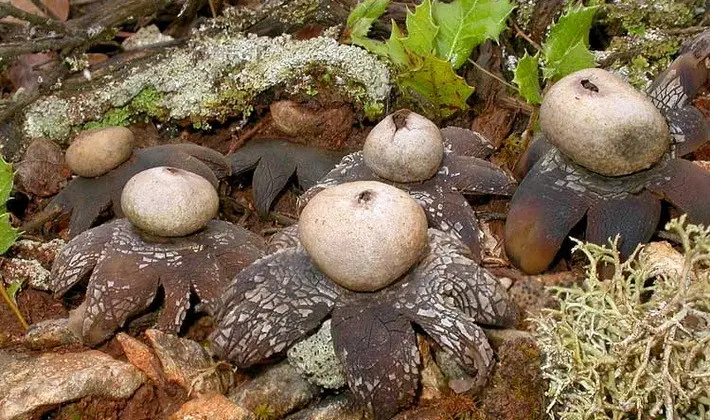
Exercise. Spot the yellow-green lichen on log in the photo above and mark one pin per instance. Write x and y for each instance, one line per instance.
(646, 34)
(214, 77)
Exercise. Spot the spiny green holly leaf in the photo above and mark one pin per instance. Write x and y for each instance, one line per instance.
(421, 30)
(359, 23)
(436, 86)
(5, 183)
(396, 51)
(8, 234)
(12, 290)
(465, 24)
(527, 75)
(567, 47)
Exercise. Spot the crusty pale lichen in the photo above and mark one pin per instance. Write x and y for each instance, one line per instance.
(216, 76)
(645, 34)
(634, 346)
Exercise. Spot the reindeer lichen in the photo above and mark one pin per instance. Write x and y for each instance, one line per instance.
(217, 75)
(634, 346)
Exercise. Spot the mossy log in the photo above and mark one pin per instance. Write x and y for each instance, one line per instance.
(218, 74)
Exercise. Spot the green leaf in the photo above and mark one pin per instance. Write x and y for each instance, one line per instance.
(6, 175)
(527, 77)
(397, 52)
(12, 290)
(436, 86)
(567, 47)
(421, 30)
(359, 23)
(8, 234)
(465, 24)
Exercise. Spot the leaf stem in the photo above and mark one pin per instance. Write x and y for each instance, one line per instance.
(12, 305)
(478, 66)
(519, 32)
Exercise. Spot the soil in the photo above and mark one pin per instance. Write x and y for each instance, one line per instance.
(35, 306)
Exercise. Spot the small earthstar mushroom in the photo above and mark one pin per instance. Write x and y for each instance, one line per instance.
(87, 198)
(606, 154)
(406, 139)
(404, 147)
(283, 297)
(169, 201)
(95, 152)
(126, 265)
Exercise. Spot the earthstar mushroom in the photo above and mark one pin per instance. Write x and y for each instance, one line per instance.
(127, 265)
(283, 297)
(86, 198)
(620, 140)
(460, 171)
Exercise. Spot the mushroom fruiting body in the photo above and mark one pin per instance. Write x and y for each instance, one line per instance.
(95, 152)
(127, 264)
(283, 297)
(461, 171)
(363, 235)
(169, 202)
(87, 198)
(558, 191)
(404, 147)
(603, 124)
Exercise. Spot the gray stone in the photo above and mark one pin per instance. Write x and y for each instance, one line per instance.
(279, 390)
(336, 407)
(458, 380)
(31, 383)
(51, 333)
(315, 359)
(212, 407)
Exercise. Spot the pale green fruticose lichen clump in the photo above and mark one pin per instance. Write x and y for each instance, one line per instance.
(215, 77)
(637, 345)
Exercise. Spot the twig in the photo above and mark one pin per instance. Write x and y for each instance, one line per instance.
(491, 215)
(7, 9)
(212, 8)
(12, 50)
(41, 218)
(478, 66)
(283, 219)
(525, 36)
(241, 139)
(692, 30)
(11, 304)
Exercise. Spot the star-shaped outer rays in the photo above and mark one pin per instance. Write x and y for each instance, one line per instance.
(275, 161)
(87, 198)
(125, 272)
(556, 194)
(463, 172)
(282, 297)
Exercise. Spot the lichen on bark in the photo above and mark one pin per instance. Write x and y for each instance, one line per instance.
(216, 75)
